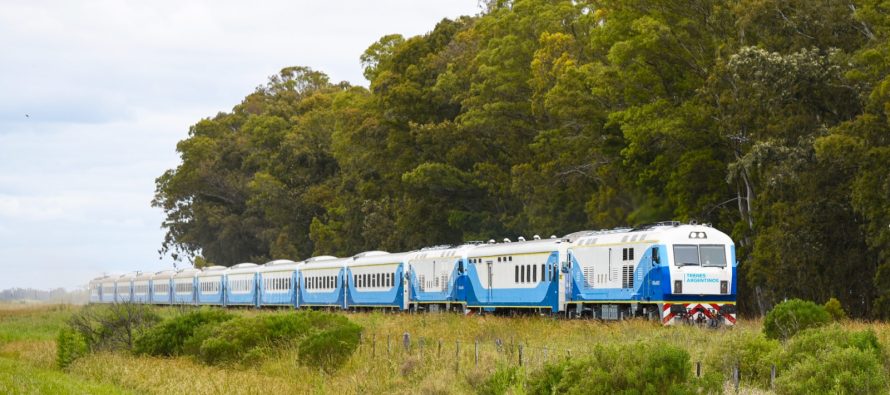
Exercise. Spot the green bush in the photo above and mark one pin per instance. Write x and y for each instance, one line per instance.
(834, 308)
(169, 337)
(792, 316)
(503, 379)
(832, 360)
(329, 348)
(842, 371)
(751, 352)
(326, 340)
(113, 327)
(70, 345)
(647, 368)
(818, 341)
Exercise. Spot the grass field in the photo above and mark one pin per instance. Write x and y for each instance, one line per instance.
(447, 353)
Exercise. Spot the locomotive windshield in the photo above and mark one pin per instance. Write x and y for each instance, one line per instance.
(686, 255)
(713, 255)
(706, 255)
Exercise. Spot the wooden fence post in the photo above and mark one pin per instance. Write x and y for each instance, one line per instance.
(520, 354)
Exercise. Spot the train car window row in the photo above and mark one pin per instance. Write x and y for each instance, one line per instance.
(239, 285)
(321, 282)
(371, 280)
(209, 287)
(277, 284)
(162, 288)
(527, 273)
(183, 287)
(140, 289)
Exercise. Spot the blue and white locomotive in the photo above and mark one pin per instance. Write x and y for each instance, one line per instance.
(667, 271)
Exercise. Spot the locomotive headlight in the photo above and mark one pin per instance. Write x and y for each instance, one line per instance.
(724, 287)
(698, 235)
(678, 286)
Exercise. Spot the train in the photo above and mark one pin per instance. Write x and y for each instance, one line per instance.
(668, 271)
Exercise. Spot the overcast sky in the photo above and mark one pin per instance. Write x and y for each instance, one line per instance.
(94, 96)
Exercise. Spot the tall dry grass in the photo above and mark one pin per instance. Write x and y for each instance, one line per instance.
(441, 358)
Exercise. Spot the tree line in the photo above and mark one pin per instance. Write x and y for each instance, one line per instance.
(765, 118)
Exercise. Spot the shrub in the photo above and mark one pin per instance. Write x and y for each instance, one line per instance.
(70, 345)
(834, 308)
(843, 371)
(329, 348)
(501, 380)
(169, 337)
(792, 316)
(229, 342)
(113, 327)
(753, 353)
(215, 337)
(635, 368)
(818, 341)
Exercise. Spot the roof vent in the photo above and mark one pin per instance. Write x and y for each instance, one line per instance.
(506, 240)
(491, 241)
(520, 238)
(552, 236)
(537, 237)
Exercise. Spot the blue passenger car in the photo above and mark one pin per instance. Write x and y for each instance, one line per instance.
(210, 286)
(184, 286)
(277, 283)
(161, 284)
(321, 282)
(437, 278)
(377, 279)
(123, 287)
(142, 287)
(241, 285)
(516, 275)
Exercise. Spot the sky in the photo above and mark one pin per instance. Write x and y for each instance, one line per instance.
(94, 96)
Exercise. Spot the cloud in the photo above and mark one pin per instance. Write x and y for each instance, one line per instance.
(110, 87)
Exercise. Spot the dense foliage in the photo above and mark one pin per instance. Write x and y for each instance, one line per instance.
(792, 316)
(832, 360)
(641, 368)
(214, 336)
(70, 345)
(168, 337)
(766, 118)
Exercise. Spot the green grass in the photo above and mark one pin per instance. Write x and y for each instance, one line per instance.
(22, 378)
(381, 364)
(32, 322)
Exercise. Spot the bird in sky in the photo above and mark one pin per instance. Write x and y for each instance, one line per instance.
(27, 116)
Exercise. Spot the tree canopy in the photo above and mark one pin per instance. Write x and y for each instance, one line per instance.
(765, 118)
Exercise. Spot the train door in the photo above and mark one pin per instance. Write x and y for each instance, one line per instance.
(460, 283)
(344, 284)
(488, 276)
(565, 280)
(406, 288)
